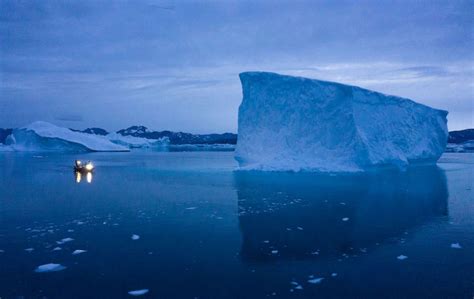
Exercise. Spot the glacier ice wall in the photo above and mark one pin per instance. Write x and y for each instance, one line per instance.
(294, 123)
(43, 136)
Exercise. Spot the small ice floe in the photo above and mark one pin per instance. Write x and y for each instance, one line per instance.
(29, 249)
(342, 203)
(57, 248)
(345, 219)
(2, 251)
(456, 246)
(191, 208)
(135, 237)
(65, 240)
(402, 257)
(138, 292)
(298, 287)
(315, 252)
(266, 241)
(316, 280)
(274, 251)
(78, 251)
(49, 268)
(333, 274)
(299, 228)
(70, 230)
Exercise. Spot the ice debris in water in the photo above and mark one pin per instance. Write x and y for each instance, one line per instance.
(49, 268)
(456, 246)
(29, 249)
(138, 292)
(274, 251)
(345, 219)
(57, 248)
(191, 208)
(78, 251)
(402, 257)
(65, 240)
(316, 280)
(333, 274)
(135, 237)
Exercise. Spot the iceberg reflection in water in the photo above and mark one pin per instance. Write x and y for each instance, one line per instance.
(303, 215)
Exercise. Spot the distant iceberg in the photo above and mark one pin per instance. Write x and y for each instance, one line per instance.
(43, 136)
(137, 142)
(293, 123)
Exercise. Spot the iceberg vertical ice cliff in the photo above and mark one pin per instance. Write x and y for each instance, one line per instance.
(294, 123)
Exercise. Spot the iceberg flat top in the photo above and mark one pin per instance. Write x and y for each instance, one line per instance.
(294, 123)
(45, 133)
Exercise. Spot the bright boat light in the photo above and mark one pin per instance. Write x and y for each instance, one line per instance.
(89, 166)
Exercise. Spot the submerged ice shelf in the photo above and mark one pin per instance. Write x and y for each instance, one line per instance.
(294, 123)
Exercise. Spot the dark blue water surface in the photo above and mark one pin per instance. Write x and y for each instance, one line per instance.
(207, 231)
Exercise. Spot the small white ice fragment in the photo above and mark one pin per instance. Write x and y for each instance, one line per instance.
(65, 240)
(78, 251)
(316, 280)
(456, 246)
(266, 241)
(138, 292)
(191, 208)
(402, 257)
(299, 228)
(57, 248)
(29, 249)
(298, 287)
(333, 274)
(135, 237)
(274, 251)
(345, 219)
(49, 268)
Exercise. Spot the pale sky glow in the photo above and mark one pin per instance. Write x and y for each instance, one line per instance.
(175, 64)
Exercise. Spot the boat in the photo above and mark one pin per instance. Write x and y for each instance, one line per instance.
(83, 167)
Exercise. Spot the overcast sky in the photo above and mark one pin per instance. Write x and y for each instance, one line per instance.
(175, 64)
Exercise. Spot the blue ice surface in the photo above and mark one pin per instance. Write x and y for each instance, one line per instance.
(208, 231)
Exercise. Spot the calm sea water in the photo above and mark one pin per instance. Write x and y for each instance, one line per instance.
(206, 231)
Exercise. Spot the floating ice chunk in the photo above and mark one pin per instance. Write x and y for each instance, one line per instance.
(456, 246)
(49, 268)
(2, 251)
(29, 249)
(266, 241)
(345, 219)
(294, 123)
(298, 287)
(191, 208)
(333, 274)
(65, 240)
(402, 257)
(138, 292)
(135, 237)
(78, 251)
(316, 280)
(274, 251)
(57, 248)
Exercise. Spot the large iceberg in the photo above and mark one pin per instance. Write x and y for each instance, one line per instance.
(294, 123)
(43, 136)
